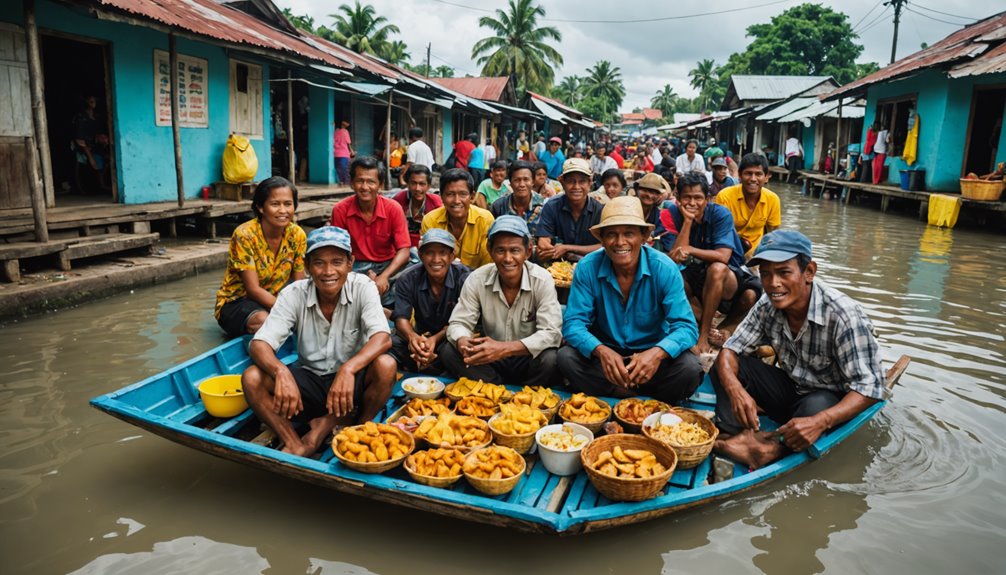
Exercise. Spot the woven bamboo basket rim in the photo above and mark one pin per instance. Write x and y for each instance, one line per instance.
(507, 394)
(623, 488)
(496, 407)
(593, 426)
(495, 486)
(379, 466)
(400, 412)
(629, 425)
(690, 456)
(464, 448)
(982, 190)
(442, 482)
(519, 442)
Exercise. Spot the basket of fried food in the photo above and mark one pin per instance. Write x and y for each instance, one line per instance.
(494, 470)
(474, 406)
(631, 412)
(562, 273)
(410, 415)
(515, 425)
(372, 447)
(439, 467)
(690, 434)
(542, 398)
(455, 431)
(585, 410)
(465, 387)
(628, 467)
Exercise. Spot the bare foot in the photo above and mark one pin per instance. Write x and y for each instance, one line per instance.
(717, 337)
(321, 430)
(755, 450)
(703, 347)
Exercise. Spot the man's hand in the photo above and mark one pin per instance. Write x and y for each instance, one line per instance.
(613, 366)
(800, 433)
(643, 365)
(422, 350)
(680, 255)
(381, 281)
(484, 350)
(286, 400)
(745, 408)
(340, 395)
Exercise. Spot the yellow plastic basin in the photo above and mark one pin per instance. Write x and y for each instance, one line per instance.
(222, 395)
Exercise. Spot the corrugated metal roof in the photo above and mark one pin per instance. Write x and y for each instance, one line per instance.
(968, 47)
(652, 114)
(786, 108)
(554, 103)
(772, 87)
(481, 88)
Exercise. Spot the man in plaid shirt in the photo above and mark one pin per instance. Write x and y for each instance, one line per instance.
(828, 359)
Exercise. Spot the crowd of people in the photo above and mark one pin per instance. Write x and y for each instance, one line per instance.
(455, 282)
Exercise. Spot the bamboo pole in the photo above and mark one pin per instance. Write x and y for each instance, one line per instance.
(838, 137)
(387, 141)
(176, 131)
(291, 159)
(37, 154)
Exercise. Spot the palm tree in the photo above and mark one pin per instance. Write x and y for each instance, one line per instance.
(569, 91)
(665, 100)
(359, 29)
(443, 71)
(396, 53)
(519, 47)
(704, 80)
(304, 22)
(604, 82)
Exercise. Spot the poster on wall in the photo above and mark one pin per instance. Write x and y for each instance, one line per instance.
(193, 96)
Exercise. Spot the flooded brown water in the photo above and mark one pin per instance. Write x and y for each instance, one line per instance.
(918, 490)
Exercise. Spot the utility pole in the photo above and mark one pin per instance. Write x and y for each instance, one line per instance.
(897, 4)
(429, 70)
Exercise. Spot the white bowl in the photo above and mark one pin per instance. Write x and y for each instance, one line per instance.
(423, 387)
(662, 417)
(562, 462)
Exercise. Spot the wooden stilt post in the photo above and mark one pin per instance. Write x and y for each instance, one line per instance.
(290, 156)
(38, 150)
(838, 137)
(387, 140)
(176, 131)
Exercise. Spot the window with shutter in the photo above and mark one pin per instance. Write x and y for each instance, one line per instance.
(246, 99)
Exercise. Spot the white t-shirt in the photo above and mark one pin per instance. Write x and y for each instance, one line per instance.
(793, 147)
(683, 166)
(490, 155)
(656, 157)
(419, 153)
(599, 166)
(881, 146)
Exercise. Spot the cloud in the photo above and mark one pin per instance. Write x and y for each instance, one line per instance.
(651, 53)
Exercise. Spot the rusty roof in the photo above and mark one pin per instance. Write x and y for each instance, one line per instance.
(975, 49)
(652, 114)
(483, 88)
(633, 116)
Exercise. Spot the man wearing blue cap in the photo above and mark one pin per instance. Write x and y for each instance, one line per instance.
(829, 361)
(342, 340)
(426, 293)
(516, 303)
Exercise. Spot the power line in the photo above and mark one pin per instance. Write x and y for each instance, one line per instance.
(924, 15)
(945, 13)
(854, 26)
(640, 21)
(873, 22)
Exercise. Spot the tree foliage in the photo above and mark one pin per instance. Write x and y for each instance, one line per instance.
(665, 100)
(569, 91)
(443, 71)
(396, 52)
(360, 29)
(604, 82)
(519, 46)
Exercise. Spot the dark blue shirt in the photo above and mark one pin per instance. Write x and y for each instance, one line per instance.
(413, 294)
(715, 231)
(557, 221)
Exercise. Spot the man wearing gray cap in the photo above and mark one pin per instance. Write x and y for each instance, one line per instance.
(829, 361)
(519, 311)
(721, 177)
(344, 374)
(426, 293)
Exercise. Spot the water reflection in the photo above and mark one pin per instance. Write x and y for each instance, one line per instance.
(929, 268)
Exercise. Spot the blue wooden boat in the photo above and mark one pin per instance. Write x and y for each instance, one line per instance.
(168, 404)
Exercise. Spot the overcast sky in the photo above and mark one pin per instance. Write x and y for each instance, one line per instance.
(653, 52)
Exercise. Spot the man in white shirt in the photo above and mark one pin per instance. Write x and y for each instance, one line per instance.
(690, 161)
(417, 153)
(880, 154)
(601, 162)
(794, 157)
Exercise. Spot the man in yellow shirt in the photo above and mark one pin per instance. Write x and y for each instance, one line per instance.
(467, 223)
(756, 209)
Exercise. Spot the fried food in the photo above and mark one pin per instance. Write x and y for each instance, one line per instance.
(450, 430)
(562, 272)
(476, 406)
(537, 397)
(518, 419)
(628, 463)
(564, 439)
(465, 387)
(418, 406)
(683, 434)
(635, 410)
(494, 463)
(371, 443)
(582, 408)
(439, 462)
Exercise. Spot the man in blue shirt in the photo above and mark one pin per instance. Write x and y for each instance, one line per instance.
(553, 158)
(564, 230)
(426, 293)
(628, 325)
(704, 240)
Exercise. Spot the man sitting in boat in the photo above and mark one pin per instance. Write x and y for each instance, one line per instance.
(426, 294)
(516, 303)
(703, 239)
(342, 340)
(564, 228)
(628, 325)
(829, 361)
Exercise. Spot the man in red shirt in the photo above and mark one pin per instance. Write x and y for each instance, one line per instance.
(380, 235)
(417, 201)
(619, 160)
(463, 150)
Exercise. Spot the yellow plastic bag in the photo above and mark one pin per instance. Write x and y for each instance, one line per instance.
(240, 161)
(943, 210)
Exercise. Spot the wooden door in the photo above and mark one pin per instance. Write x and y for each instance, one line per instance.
(15, 119)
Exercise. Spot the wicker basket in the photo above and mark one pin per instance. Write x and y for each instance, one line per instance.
(594, 426)
(496, 486)
(380, 466)
(982, 190)
(620, 488)
(629, 426)
(690, 456)
(521, 443)
(441, 482)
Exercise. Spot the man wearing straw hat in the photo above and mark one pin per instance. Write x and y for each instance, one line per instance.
(628, 325)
